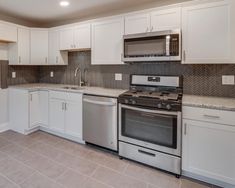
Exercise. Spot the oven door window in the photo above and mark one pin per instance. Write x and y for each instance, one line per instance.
(153, 128)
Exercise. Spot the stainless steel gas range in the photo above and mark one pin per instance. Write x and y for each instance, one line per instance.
(150, 122)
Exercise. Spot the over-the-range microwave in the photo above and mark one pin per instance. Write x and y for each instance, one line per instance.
(154, 46)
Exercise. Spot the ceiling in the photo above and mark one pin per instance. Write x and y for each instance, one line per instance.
(49, 12)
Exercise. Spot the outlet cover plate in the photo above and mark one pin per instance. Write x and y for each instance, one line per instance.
(51, 74)
(13, 74)
(228, 80)
(118, 76)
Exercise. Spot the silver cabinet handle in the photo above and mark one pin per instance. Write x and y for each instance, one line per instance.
(151, 28)
(71, 46)
(185, 128)
(62, 105)
(147, 153)
(57, 59)
(31, 97)
(99, 102)
(19, 59)
(147, 29)
(46, 60)
(65, 106)
(211, 116)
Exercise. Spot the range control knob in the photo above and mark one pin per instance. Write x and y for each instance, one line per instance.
(133, 102)
(159, 105)
(168, 106)
(126, 101)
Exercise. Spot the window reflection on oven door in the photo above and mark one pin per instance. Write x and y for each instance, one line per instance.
(158, 130)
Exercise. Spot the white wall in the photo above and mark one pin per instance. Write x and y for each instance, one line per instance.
(3, 109)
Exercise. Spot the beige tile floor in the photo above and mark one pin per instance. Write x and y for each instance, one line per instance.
(41, 160)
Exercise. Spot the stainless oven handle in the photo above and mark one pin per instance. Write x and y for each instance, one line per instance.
(153, 116)
(147, 153)
(149, 111)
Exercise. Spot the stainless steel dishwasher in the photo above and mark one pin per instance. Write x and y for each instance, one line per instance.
(100, 121)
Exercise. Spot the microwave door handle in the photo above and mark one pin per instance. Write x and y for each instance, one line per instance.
(168, 37)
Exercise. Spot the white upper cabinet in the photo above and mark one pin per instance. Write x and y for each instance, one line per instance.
(82, 36)
(137, 23)
(166, 19)
(207, 33)
(19, 53)
(75, 38)
(56, 57)
(39, 46)
(157, 20)
(8, 32)
(107, 36)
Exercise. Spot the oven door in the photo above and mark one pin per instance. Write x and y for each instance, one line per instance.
(153, 129)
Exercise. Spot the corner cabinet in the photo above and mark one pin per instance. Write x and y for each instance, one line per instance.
(208, 145)
(107, 36)
(39, 46)
(27, 110)
(55, 56)
(208, 33)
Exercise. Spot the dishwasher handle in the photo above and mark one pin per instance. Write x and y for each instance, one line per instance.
(99, 102)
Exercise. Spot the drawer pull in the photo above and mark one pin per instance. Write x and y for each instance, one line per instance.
(147, 153)
(212, 117)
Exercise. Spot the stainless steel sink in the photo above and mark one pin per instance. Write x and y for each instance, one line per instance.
(73, 88)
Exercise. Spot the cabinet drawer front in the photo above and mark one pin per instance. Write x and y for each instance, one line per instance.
(58, 95)
(76, 97)
(209, 115)
(150, 157)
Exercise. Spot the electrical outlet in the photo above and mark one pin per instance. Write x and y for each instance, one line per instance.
(51, 74)
(118, 76)
(228, 80)
(13, 74)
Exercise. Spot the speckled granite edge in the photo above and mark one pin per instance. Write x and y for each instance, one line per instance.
(99, 91)
(216, 103)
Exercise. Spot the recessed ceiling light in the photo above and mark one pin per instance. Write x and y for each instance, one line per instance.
(64, 3)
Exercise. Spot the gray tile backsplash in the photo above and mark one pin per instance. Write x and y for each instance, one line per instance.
(198, 79)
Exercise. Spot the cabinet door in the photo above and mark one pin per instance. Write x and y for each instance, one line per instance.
(53, 57)
(209, 150)
(73, 123)
(107, 42)
(137, 23)
(82, 36)
(57, 115)
(44, 108)
(39, 46)
(34, 109)
(67, 39)
(166, 19)
(23, 46)
(206, 33)
(8, 32)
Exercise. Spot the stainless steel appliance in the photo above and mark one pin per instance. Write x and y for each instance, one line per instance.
(150, 122)
(100, 121)
(153, 46)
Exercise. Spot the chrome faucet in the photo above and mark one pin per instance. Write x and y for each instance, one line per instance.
(78, 70)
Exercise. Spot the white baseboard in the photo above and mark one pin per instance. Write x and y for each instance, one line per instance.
(4, 127)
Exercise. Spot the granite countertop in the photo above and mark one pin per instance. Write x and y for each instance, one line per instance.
(218, 103)
(60, 87)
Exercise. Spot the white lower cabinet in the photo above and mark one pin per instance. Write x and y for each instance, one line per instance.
(57, 115)
(208, 146)
(27, 110)
(65, 116)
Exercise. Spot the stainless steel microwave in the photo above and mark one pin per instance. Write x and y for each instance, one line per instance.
(154, 46)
